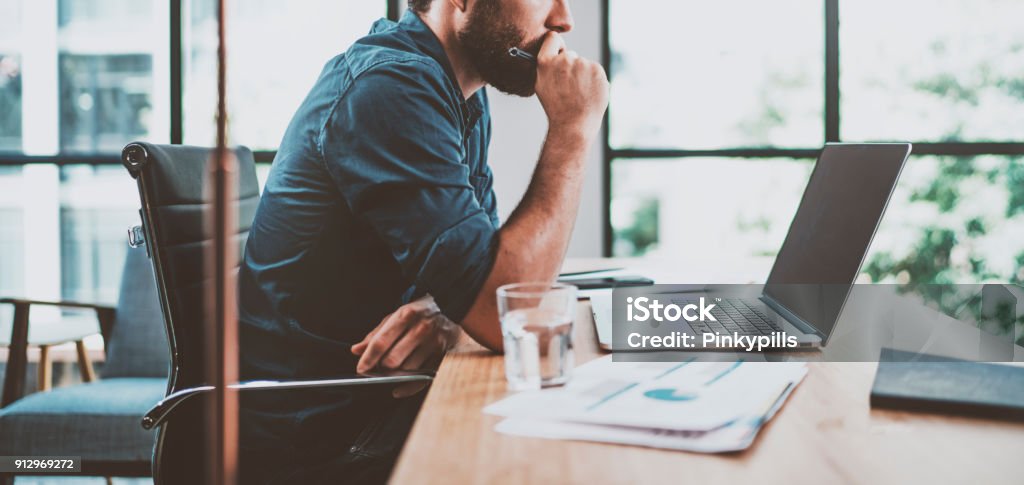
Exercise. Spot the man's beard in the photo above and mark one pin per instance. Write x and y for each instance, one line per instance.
(486, 40)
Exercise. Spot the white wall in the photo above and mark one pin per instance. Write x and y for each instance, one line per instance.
(519, 128)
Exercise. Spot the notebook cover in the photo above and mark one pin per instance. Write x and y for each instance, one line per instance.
(925, 383)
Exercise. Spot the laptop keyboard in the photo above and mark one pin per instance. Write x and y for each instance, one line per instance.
(734, 316)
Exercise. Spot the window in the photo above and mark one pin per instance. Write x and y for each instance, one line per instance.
(79, 75)
(105, 101)
(953, 219)
(276, 51)
(10, 76)
(111, 74)
(688, 210)
(82, 79)
(700, 75)
(98, 204)
(79, 79)
(12, 239)
(931, 70)
(708, 167)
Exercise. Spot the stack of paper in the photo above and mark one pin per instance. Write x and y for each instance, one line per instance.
(707, 407)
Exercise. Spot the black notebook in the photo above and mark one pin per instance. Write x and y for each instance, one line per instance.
(918, 382)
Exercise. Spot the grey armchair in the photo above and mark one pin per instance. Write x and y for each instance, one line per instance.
(99, 421)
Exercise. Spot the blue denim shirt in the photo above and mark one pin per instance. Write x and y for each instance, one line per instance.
(379, 193)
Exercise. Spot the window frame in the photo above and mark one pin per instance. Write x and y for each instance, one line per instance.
(832, 120)
(177, 129)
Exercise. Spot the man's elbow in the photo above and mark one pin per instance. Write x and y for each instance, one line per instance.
(496, 346)
(483, 326)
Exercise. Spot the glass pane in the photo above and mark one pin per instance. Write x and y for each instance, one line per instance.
(932, 70)
(81, 76)
(276, 50)
(98, 205)
(113, 73)
(10, 76)
(105, 101)
(63, 231)
(12, 238)
(716, 216)
(705, 75)
(953, 220)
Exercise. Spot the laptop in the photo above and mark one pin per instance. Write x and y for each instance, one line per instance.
(825, 248)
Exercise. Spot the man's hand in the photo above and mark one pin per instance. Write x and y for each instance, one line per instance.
(409, 338)
(572, 90)
(533, 241)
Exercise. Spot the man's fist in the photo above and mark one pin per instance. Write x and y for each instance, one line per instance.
(572, 90)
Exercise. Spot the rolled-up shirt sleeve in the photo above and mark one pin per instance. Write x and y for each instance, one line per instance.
(394, 147)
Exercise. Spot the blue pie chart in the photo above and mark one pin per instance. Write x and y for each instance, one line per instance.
(669, 394)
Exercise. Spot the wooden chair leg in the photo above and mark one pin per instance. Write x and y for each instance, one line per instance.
(84, 363)
(17, 357)
(110, 481)
(45, 371)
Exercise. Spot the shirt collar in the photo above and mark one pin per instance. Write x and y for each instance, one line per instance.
(426, 42)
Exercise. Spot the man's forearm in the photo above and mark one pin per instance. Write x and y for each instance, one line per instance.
(533, 242)
(538, 231)
(574, 94)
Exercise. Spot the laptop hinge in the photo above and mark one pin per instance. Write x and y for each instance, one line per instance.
(791, 317)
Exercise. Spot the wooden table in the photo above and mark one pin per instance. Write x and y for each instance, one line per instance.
(826, 433)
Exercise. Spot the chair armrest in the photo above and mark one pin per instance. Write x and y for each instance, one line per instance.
(59, 303)
(163, 409)
(104, 312)
(17, 357)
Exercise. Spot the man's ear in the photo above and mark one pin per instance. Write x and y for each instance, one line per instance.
(462, 5)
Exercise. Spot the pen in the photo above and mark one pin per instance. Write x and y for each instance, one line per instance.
(517, 52)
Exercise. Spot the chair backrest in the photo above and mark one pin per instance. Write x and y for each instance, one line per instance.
(172, 182)
(138, 341)
(173, 187)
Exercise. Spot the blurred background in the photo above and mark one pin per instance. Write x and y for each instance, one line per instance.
(716, 114)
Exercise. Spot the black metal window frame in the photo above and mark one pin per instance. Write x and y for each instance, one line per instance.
(831, 118)
(610, 153)
(176, 105)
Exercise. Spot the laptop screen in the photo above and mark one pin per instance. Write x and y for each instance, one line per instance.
(833, 227)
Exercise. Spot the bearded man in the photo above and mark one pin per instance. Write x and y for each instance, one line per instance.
(377, 240)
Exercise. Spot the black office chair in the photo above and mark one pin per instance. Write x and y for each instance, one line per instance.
(171, 180)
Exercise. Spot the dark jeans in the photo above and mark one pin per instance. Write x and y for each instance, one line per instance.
(323, 437)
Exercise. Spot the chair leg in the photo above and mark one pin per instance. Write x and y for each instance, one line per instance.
(45, 371)
(17, 357)
(110, 481)
(84, 363)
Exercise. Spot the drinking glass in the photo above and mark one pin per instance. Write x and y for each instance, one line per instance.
(536, 322)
